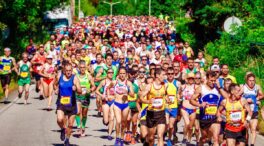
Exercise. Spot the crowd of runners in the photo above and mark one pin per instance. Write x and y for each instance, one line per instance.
(144, 79)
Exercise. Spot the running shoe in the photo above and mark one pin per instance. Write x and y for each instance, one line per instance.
(121, 142)
(109, 137)
(66, 142)
(175, 139)
(129, 136)
(133, 141)
(184, 141)
(117, 142)
(62, 134)
(82, 133)
(41, 97)
(169, 143)
(19, 95)
(99, 114)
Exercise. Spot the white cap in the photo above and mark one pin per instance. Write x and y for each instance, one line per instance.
(215, 68)
(49, 56)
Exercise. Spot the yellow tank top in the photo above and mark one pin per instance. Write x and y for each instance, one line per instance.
(159, 98)
(235, 116)
(188, 52)
(131, 99)
(172, 92)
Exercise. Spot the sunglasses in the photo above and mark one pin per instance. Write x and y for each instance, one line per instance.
(170, 73)
(197, 78)
(110, 72)
(142, 72)
(176, 66)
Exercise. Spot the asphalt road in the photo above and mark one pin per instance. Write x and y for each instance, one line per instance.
(31, 125)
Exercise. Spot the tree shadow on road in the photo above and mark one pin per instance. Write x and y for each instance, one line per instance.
(22, 103)
(101, 130)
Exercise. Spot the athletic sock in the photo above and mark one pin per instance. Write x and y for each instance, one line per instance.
(78, 121)
(84, 119)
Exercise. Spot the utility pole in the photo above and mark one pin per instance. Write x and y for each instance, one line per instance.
(111, 6)
(79, 8)
(73, 9)
(149, 7)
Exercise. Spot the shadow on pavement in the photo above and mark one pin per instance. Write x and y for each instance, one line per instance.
(5, 102)
(78, 135)
(61, 144)
(22, 103)
(101, 130)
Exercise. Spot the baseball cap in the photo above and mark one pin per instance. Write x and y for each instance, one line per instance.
(49, 57)
(190, 75)
(215, 68)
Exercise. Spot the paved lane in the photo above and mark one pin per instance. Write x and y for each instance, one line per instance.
(31, 125)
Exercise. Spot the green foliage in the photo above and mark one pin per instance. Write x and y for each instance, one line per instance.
(87, 8)
(25, 20)
(182, 28)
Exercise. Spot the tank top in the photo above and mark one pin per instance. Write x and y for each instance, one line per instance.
(252, 94)
(6, 64)
(40, 59)
(84, 82)
(24, 70)
(66, 96)
(172, 92)
(159, 98)
(135, 97)
(111, 90)
(187, 93)
(211, 97)
(121, 88)
(235, 116)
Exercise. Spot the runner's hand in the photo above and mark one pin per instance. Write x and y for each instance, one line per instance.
(246, 124)
(219, 119)
(249, 100)
(73, 88)
(203, 104)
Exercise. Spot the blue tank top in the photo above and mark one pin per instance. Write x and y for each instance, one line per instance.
(212, 98)
(251, 94)
(66, 94)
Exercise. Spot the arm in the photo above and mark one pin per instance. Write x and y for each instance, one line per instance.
(92, 83)
(76, 82)
(196, 95)
(260, 93)
(220, 108)
(245, 104)
(98, 76)
(131, 89)
(144, 93)
(98, 88)
(56, 83)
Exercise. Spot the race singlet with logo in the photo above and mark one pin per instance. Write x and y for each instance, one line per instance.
(85, 85)
(158, 96)
(172, 92)
(6, 65)
(24, 70)
(251, 94)
(66, 94)
(235, 116)
(212, 98)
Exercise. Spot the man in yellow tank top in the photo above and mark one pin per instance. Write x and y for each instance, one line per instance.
(156, 100)
(235, 108)
(172, 112)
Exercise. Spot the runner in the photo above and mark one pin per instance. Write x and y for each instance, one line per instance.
(172, 112)
(83, 99)
(7, 65)
(108, 97)
(188, 110)
(123, 88)
(48, 74)
(252, 93)
(24, 76)
(38, 61)
(208, 100)
(156, 98)
(236, 122)
(67, 85)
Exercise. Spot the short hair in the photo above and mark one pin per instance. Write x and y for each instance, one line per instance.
(99, 54)
(109, 55)
(215, 57)
(227, 80)
(170, 69)
(82, 62)
(211, 74)
(158, 72)
(222, 65)
(78, 51)
(191, 58)
(152, 64)
(250, 75)
(122, 68)
(232, 87)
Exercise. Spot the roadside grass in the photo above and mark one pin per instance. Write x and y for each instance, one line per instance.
(13, 86)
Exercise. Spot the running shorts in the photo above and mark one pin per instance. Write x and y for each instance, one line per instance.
(5, 79)
(238, 136)
(204, 124)
(172, 113)
(254, 115)
(23, 81)
(154, 118)
(69, 111)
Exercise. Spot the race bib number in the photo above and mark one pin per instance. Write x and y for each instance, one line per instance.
(172, 98)
(252, 107)
(24, 74)
(157, 103)
(7, 68)
(211, 110)
(38, 68)
(236, 116)
(84, 90)
(65, 100)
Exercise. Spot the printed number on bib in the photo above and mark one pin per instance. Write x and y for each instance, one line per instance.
(65, 100)
(24, 74)
(7, 68)
(157, 103)
(211, 110)
(84, 90)
(252, 107)
(236, 116)
(172, 98)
